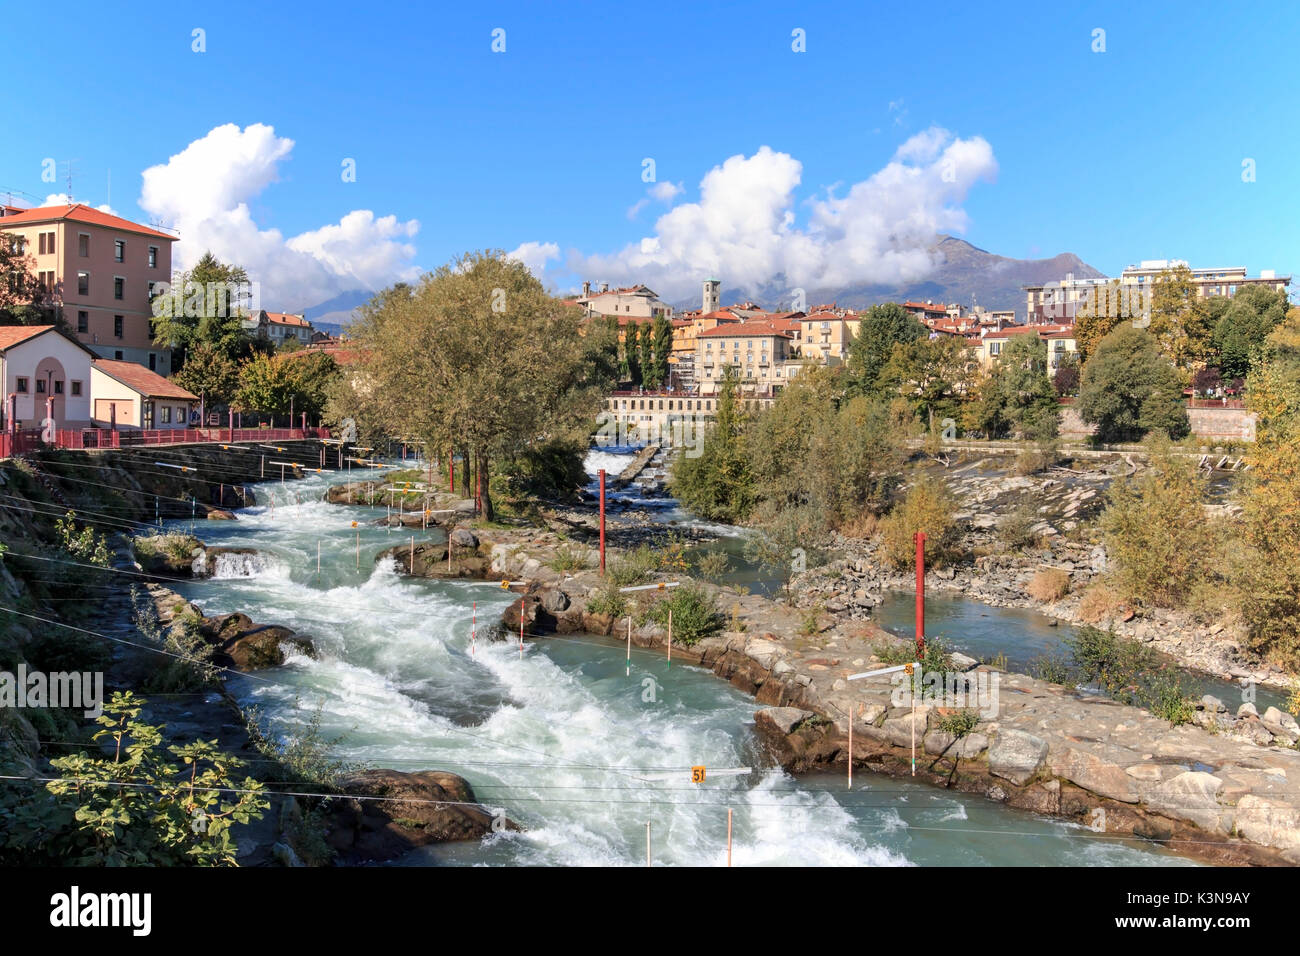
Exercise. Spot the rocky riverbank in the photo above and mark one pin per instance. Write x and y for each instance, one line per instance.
(1066, 503)
(1042, 747)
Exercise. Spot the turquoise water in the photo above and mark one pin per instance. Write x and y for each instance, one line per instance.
(1022, 635)
(561, 737)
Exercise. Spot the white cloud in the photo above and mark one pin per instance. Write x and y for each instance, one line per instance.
(61, 199)
(204, 190)
(535, 255)
(667, 191)
(743, 228)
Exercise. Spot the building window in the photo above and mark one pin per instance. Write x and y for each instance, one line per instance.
(118, 284)
(76, 389)
(118, 354)
(117, 329)
(22, 386)
(180, 414)
(83, 245)
(166, 418)
(83, 321)
(153, 257)
(153, 362)
(40, 386)
(58, 388)
(119, 250)
(83, 283)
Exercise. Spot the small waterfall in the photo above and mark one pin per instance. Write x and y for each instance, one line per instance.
(239, 564)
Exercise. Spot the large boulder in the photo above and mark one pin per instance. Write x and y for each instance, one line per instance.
(245, 646)
(1016, 755)
(415, 809)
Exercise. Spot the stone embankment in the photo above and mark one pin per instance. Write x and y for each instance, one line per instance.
(1037, 746)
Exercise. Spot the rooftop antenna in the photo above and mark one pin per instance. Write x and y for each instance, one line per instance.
(70, 163)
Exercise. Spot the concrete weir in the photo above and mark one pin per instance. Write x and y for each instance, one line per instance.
(1118, 770)
(636, 466)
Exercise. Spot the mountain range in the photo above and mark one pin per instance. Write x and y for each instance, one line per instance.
(967, 275)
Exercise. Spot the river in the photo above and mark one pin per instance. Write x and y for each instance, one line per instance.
(560, 737)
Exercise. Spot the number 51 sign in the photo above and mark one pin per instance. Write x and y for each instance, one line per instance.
(697, 775)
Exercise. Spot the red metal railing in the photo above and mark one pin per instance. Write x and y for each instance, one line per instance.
(29, 439)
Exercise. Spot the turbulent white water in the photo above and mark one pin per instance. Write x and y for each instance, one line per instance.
(561, 738)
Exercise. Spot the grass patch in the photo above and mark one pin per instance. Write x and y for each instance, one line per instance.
(1049, 584)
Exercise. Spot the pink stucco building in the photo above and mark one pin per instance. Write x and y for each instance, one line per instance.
(99, 271)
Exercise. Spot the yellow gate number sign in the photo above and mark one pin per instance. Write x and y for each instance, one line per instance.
(697, 775)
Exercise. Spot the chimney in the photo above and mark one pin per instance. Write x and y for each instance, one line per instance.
(604, 287)
(586, 289)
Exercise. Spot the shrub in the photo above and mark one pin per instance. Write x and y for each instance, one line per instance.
(712, 565)
(695, 614)
(928, 506)
(152, 822)
(1156, 531)
(569, 557)
(1053, 669)
(959, 723)
(862, 525)
(1014, 530)
(1049, 584)
(632, 568)
(608, 601)
(1131, 673)
(1099, 602)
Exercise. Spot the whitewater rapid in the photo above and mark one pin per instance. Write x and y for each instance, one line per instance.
(560, 737)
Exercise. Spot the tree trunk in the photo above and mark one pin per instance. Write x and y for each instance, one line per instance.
(464, 474)
(484, 475)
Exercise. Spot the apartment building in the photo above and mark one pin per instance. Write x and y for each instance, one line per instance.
(1059, 338)
(757, 349)
(824, 337)
(1207, 282)
(636, 302)
(98, 271)
(279, 326)
(1062, 301)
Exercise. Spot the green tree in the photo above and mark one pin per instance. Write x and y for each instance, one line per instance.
(1105, 309)
(1270, 570)
(718, 484)
(1244, 325)
(881, 328)
(1018, 396)
(661, 345)
(632, 353)
(1128, 389)
(21, 296)
(205, 304)
(647, 356)
(934, 375)
(133, 806)
(280, 384)
(209, 373)
(481, 358)
(1179, 318)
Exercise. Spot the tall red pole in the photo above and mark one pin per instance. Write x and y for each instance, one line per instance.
(920, 593)
(602, 521)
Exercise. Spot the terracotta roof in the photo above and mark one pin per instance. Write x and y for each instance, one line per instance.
(79, 213)
(11, 335)
(140, 379)
(1007, 333)
(284, 318)
(744, 329)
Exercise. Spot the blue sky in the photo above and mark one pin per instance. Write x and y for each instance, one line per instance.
(1132, 153)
